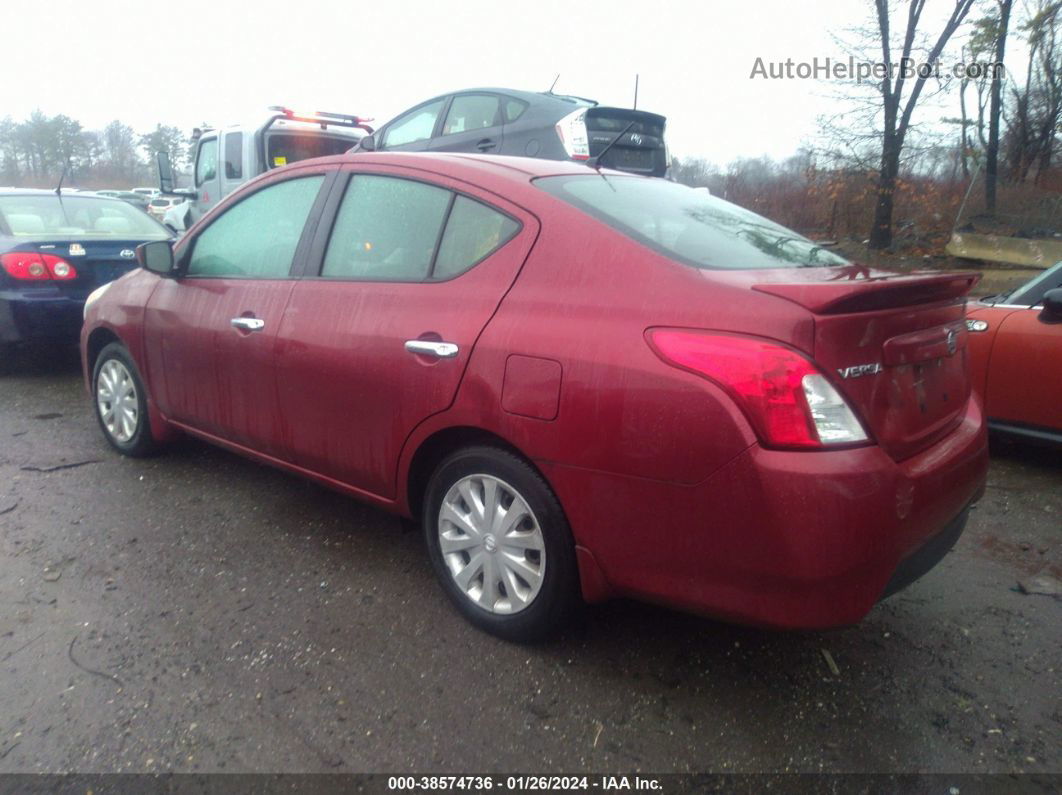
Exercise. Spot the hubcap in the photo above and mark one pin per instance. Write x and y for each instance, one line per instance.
(492, 544)
(116, 400)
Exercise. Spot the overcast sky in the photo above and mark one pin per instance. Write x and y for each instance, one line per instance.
(185, 61)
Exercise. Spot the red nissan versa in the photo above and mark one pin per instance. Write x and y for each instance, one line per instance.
(583, 383)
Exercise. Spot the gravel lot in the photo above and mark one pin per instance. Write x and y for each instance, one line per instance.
(198, 612)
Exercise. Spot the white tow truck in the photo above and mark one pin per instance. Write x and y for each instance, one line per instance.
(226, 157)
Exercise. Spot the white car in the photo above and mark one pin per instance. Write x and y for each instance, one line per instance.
(174, 217)
(151, 193)
(158, 207)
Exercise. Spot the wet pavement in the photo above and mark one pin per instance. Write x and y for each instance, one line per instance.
(199, 612)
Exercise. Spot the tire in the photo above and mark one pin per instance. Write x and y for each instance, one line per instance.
(128, 434)
(532, 559)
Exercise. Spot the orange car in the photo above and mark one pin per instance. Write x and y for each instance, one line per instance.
(1015, 346)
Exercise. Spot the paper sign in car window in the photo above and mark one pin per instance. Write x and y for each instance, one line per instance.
(280, 160)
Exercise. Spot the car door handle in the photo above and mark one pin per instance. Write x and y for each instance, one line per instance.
(248, 323)
(440, 350)
(485, 144)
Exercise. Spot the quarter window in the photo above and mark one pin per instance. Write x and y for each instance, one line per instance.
(417, 125)
(514, 109)
(234, 155)
(473, 232)
(206, 165)
(386, 230)
(471, 112)
(257, 238)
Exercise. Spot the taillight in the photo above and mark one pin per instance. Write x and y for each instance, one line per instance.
(33, 267)
(787, 399)
(573, 136)
(59, 267)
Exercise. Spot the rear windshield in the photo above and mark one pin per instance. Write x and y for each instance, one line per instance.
(285, 148)
(46, 217)
(687, 224)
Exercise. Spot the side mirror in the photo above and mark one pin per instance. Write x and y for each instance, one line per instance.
(1052, 311)
(156, 256)
(166, 181)
(367, 144)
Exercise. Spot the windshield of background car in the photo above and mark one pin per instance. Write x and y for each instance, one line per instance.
(285, 148)
(687, 224)
(1032, 292)
(46, 217)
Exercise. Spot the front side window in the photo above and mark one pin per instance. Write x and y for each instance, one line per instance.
(471, 112)
(686, 224)
(473, 231)
(206, 165)
(386, 230)
(417, 125)
(256, 238)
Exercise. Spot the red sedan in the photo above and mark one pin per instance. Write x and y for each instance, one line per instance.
(582, 383)
(1016, 357)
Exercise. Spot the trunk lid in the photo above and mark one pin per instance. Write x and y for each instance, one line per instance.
(894, 344)
(641, 150)
(96, 261)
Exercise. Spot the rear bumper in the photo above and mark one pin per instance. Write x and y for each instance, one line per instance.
(40, 315)
(783, 539)
(927, 556)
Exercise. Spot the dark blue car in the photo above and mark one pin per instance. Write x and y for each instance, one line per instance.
(54, 250)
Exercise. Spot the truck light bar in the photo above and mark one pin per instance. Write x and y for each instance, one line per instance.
(323, 118)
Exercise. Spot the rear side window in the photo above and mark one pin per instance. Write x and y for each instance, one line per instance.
(206, 165)
(417, 125)
(471, 112)
(283, 149)
(473, 232)
(234, 155)
(46, 217)
(386, 230)
(256, 238)
(687, 224)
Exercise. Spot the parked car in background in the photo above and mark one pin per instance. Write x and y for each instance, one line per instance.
(149, 193)
(575, 379)
(54, 251)
(158, 207)
(226, 157)
(504, 121)
(1016, 352)
(137, 200)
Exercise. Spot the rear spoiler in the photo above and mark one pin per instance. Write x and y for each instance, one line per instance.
(846, 292)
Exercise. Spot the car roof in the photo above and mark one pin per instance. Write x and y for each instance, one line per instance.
(464, 165)
(51, 192)
(531, 97)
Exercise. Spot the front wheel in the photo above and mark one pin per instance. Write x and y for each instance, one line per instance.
(121, 402)
(500, 544)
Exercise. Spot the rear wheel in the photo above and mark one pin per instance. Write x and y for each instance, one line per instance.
(500, 544)
(121, 402)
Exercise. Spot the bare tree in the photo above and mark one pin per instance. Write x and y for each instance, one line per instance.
(1036, 106)
(996, 107)
(897, 107)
